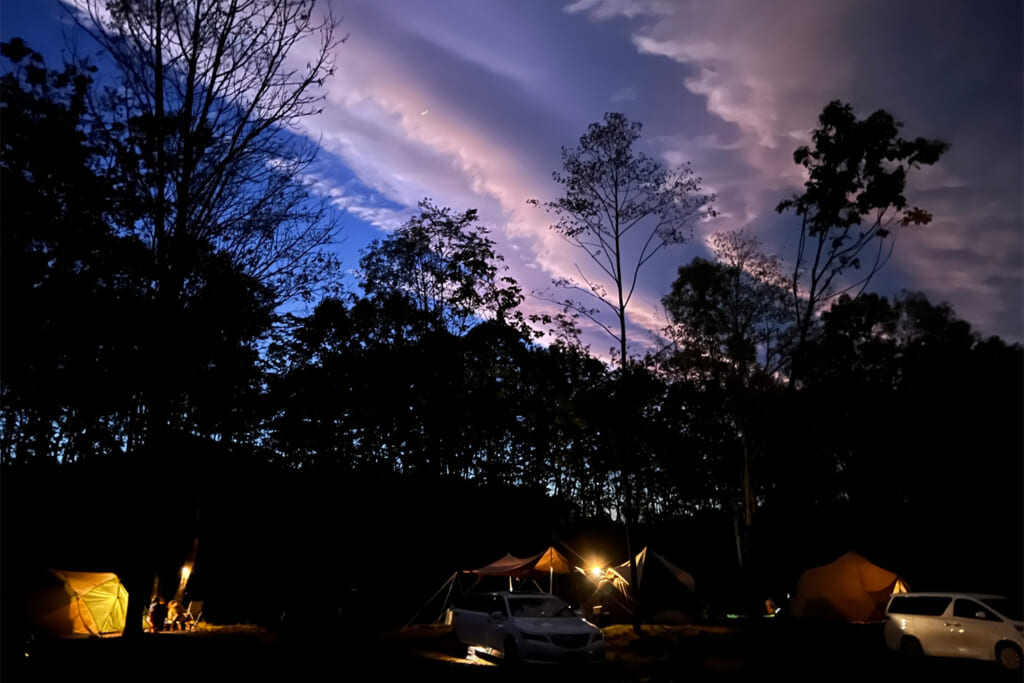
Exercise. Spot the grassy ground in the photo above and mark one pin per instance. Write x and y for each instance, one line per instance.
(756, 649)
(745, 650)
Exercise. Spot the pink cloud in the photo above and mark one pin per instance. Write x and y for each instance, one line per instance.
(769, 68)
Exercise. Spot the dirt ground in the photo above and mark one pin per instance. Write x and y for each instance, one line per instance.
(749, 650)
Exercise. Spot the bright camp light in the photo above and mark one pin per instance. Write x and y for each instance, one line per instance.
(185, 571)
(597, 572)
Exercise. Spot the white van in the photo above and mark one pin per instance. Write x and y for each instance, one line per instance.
(970, 625)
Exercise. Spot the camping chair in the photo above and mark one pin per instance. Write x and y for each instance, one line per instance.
(193, 613)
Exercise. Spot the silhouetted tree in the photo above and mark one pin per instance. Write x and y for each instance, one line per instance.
(70, 291)
(445, 264)
(88, 334)
(202, 129)
(568, 383)
(342, 389)
(423, 375)
(198, 140)
(845, 412)
(85, 321)
(730, 311)
(852, 200)
(621, 208)
(905, 406)
(730, 336)
(199, 135)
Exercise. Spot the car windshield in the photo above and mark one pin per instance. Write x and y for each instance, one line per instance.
(538, 606)
(1011, 609)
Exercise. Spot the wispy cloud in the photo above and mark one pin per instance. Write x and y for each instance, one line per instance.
(769, 68)
(731, 86)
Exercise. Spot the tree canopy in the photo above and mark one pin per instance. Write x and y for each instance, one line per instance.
(853, 199)
(620, 207)
(428, 391)
(445, 265)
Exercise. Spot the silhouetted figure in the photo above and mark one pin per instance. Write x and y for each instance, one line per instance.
(158, 614)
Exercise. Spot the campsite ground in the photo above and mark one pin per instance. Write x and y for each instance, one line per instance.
(745, 650)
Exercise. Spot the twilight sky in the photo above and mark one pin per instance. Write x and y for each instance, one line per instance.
(733, 86)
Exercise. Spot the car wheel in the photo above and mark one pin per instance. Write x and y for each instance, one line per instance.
(510, 656)
(911, 647)
(1009, 657)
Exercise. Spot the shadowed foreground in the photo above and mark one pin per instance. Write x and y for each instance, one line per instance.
(737, 651)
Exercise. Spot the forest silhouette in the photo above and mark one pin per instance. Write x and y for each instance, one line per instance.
(154, 393)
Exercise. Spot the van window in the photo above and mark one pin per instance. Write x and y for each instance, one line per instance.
(926, 605)
(969, 609)
(1011, 609)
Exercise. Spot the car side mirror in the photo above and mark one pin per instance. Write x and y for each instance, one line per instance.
(497, 615)
(578, 612)
(980, 615)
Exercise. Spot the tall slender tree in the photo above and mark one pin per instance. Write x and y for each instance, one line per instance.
(620, 207)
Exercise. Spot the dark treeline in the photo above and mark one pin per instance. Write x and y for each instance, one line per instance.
(152, 394)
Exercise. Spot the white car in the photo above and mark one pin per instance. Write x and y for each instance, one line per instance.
(970, 625)
(526, 627)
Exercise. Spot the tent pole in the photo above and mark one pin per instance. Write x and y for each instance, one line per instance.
(443, 586)
(447, 599)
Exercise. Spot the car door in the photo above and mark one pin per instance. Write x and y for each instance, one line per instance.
(471, 619)
(497, 618)
(973, 626)
(936, 627)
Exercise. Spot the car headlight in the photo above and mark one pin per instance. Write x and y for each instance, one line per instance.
(534, 636)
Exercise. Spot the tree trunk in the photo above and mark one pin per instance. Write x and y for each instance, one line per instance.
(139, 583)
(633, 582)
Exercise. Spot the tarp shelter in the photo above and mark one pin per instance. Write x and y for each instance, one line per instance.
(548, 562)
(545, 564)
(666, 593)
(850, 588)
(79, 604)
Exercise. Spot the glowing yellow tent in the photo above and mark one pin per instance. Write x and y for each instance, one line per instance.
(80, 604)
(849, 589)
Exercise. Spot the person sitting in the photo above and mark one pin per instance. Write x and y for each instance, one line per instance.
(176, 615)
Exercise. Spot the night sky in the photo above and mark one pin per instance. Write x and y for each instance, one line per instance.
(470, 102)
